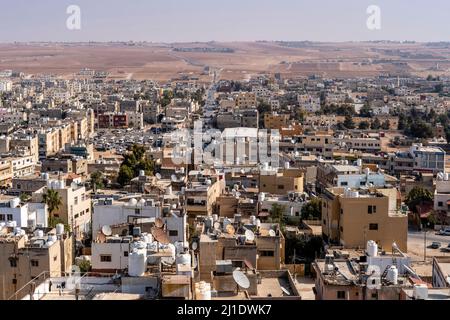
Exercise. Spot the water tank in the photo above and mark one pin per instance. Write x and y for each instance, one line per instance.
(203, 291)
(287, 165)
(372, 248)
(141, 173)
(132, 202)
(39, 233)
(258, 223)
(392, 275)
(253, 220)
(14, 203)
(209, 223)
(61, 184)
(45, 176)
(11, 224)
(359, 162)
(59, 229)
(215, 217)
(184, 258)
(137, 260)
(446, 176)
(261, 197)
(266, 166)
(169, 190)
(147, 238)
(52, 238)
(420, 292)
(367, 171)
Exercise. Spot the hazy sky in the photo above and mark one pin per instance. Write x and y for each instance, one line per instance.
(226, 20)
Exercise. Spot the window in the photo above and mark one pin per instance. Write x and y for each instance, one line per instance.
(342, 229)
(19, 186)
(344, 183)
(324, 222)
(373, 226)
(125, 253)
(267, 253)
(440, 203)
(173, 233)
(280, 186)
(137, 211)
(9, 217)
(371, 209)
(13, 262)
(341, 294)
(35, 263)
(75, 200)
(2, 217)
(55, 258)
(105, 258)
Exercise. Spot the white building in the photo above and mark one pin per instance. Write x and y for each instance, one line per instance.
(25, 215)
(442, 193)
(428, 159)
(5, 86)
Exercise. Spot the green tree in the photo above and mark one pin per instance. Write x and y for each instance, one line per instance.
(375, 125)
(348, 122)
(364, 125)
(386, 125)
(312, 210)
(53, 200)
(277, 213)
(24, 197)
(365, 111)
(418, 196)
(97, 180)
(125, 175)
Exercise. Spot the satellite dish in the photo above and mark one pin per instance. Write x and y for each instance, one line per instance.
(159, 223)
(249, 235)
(230, 229)
(285, 291)
(174, 178)
(160, 236)
(241, 279)
(106, 230)
(158, 176)
(217, 225)
(194, 245)
(272, 233)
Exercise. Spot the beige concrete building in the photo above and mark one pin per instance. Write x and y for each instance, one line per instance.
(281, 181)
(246, 100)
(351, 217)
(276, 121)
(23, 259)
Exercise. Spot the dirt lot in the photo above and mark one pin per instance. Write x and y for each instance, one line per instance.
(161, 62)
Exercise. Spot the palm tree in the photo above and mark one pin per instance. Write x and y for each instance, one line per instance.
(52, 199)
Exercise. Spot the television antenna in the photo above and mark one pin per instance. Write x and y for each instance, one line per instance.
(272, 233)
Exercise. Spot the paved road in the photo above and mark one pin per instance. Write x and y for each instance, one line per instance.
(416, 244)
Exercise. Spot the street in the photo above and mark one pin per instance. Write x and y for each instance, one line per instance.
(416, 244)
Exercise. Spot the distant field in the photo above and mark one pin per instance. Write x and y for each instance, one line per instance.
(238, 60)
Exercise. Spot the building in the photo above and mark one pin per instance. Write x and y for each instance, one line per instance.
(352, 216)
(276, 121)
(246, 100)
(281, 181)
(25, 215)
(428, 159)
(29, 255)
(441, 272)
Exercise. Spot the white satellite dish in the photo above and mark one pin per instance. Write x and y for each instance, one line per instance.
(241, 279)
(158, 176)
(249, 235)
(106, 230)
(272, 233)
(174, 178)
(217, 225)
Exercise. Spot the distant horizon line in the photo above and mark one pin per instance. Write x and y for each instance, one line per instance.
(224, 41)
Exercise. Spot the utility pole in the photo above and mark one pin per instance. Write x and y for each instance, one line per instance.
(424, 244)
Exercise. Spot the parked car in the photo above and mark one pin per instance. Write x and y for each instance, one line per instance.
(446, 249)
(444, 232)
(435, 245)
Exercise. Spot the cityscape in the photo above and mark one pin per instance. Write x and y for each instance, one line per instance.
(258, 170)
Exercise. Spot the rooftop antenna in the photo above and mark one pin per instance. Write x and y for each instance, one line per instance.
(272, 233)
